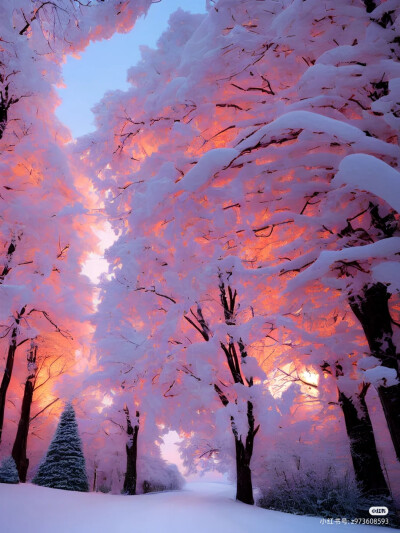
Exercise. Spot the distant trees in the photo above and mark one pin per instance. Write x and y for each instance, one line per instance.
(121, 399)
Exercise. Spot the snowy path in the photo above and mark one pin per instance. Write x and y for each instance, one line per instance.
(199, 508)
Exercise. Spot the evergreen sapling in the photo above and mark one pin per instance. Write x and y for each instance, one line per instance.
(8, 471)
(64, 464)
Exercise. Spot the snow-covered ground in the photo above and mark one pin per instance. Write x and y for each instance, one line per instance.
(199, 508)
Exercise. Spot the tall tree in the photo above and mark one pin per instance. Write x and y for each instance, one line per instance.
(208, 162)
(235, 354)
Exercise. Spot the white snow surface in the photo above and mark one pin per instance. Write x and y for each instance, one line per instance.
(202, 507)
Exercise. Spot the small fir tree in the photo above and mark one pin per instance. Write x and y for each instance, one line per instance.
(64, 464)
(8, 471)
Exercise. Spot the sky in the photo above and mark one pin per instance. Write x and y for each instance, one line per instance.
(103, 65)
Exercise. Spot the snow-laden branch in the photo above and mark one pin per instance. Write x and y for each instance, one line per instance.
(379, 249)
(367, 173)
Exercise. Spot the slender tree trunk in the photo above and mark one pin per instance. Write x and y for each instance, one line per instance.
(21, 439)
(364, 454)
(6, 101)
(7, 376)
(372, 310)
(94, 486)
(3, 114)
(131, 454)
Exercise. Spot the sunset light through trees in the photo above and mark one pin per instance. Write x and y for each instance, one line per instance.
(244, 194)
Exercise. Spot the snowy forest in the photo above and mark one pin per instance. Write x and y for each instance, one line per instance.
(248, 185)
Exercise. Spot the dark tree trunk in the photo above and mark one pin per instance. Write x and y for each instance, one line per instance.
(390, 400)
(3, 114)
(244, 486)
(131, 455)
(94, 486)
(7, 376)
(363, 449)
(244, 452)
(372, 310)
(6, 101)
(370, 5)
(21, 439)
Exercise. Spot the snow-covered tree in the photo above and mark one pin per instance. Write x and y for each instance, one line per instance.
(8, 471)
(164, 332)
(64, 467)
(45, 235)
(222, 157)
(120, 398)
(348, 234)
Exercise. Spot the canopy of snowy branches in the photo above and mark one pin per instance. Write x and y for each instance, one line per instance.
(250, 177)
